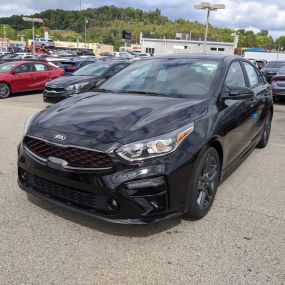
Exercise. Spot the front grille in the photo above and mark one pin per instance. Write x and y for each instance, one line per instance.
(55, 89)
(75, 157)
(81, 199)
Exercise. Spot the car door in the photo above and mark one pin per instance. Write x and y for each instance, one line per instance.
(261, 94)
(22, 77)
(235, 115)
(41, 75)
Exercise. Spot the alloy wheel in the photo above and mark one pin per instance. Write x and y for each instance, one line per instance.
(4, 90)
(207, 182)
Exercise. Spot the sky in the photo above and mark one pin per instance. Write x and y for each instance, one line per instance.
(248, 14)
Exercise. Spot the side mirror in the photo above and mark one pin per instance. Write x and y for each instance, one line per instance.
(239, 93)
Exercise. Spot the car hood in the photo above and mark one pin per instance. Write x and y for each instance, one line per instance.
(65, 81)
(117, 118)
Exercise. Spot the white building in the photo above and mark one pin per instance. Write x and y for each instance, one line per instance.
(172, 46)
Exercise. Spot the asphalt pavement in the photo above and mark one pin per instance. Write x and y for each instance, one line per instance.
(240, 241)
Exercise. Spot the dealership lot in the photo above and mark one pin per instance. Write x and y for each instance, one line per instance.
(241, 241)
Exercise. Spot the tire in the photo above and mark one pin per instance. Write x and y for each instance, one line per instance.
(204, 183)
(275, 100)
(5, 90)
(265, 131)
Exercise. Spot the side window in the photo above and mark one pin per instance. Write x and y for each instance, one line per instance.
(235, 77)
(251, 74)
(118, 68)
(41, 67)
(84, 63)
(23, 68)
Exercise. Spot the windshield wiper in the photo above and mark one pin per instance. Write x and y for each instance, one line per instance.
(143, 93)
(103, 90)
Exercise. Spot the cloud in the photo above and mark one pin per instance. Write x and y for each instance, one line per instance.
(258, 14)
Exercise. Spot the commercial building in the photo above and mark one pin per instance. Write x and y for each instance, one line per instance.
(183, 44)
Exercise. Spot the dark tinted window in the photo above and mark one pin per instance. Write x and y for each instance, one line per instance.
(168, 76)
(23, 68)
(116, 69)
(251, 74)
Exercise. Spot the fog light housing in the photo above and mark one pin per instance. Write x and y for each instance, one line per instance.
(146, 183)
(113, 205)
(23, 176)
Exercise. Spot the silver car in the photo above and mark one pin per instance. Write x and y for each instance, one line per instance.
(44, 43)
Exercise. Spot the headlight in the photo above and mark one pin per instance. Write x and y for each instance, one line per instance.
(28, 122)
(77, 86)
(154, 147)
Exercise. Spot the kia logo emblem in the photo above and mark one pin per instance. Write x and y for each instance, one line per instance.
(60, 137)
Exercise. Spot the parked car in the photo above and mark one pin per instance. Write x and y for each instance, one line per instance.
(82, 80)
(271, 69)
(278, 85)
(153, 143)
(70, 66)
(49, 43)
(17, 48)
(25, 76)
(261, 63)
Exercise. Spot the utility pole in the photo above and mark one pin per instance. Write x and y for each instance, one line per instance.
(80, 6)
(86, 22)
(206, 30)
(209, 7)
(4, 39)
(34, 20)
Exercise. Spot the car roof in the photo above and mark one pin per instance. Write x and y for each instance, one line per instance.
(200, 56)
(107, 62)
(28, 61)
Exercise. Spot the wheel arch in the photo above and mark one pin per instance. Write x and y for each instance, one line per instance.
(11, 89)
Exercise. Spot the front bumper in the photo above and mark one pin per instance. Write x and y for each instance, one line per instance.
(93, 193)
(58, 95)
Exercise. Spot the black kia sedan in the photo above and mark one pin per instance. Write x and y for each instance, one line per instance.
(153, 142)
(81, 81)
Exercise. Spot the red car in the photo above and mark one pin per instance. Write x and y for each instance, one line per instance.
(25, 76)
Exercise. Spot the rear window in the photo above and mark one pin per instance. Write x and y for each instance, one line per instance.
(275, 64)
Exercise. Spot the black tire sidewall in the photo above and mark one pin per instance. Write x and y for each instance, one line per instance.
(194, 211)
(264, 141)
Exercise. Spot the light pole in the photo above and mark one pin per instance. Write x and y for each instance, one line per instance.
(209, 7)
(86, 22)
(34, 20)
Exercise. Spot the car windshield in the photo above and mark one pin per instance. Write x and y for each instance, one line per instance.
(281, 71)
(166, 77)
(6, 67)
(275, 64)
(92, 69)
